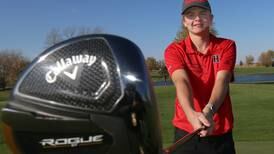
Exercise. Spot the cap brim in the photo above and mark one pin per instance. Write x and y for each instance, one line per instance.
(195, 5)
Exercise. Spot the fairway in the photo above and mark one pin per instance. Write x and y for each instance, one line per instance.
(253, 70)
(253, 108)
(263, 147)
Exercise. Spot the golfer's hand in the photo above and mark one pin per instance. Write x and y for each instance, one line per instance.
(199, 120)
(208, 115)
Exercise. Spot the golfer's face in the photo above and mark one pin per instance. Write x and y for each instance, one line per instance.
(197, 20)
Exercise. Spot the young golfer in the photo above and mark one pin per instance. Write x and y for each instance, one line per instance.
(201, 67)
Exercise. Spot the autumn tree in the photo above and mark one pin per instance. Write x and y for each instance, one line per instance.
(162, 69)
(151, 63)
(12, 62)
(266, 58)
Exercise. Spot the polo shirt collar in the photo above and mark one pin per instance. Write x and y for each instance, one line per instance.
(190, 48)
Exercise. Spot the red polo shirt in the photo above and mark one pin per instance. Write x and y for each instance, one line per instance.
(202, 70)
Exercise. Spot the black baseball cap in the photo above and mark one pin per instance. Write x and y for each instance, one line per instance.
(198, 3)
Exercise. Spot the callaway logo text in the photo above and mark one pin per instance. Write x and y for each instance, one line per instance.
(63, 64)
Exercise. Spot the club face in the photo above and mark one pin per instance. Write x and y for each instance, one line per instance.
(78, 74)
(81, 95)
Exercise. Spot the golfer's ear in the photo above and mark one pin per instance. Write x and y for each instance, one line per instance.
(183, 21)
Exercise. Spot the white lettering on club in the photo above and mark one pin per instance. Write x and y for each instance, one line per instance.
(63, 64)
(71, 142)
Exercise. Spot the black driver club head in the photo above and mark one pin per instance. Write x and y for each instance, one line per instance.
(87, 95)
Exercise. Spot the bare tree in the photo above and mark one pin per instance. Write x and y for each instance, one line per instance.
(249, 59)
(88, 30)
(12, 63)
(55, 35)
(98, 30)
(84, 30)
(69, 32)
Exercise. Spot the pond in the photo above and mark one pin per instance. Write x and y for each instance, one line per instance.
(254, 78)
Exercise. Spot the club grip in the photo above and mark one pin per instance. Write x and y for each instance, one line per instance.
(182, 140)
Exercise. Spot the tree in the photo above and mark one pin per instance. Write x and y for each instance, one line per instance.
(249, 59)
(162, 69)
(98, 30)
(84, 31)
(69, 32)
(55, 36)
(241, 63)
(183, 32)
(11, 64)
(266, 58)
(151, 63)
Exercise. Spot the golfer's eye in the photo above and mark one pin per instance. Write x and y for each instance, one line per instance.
(203, 14)
(190, 15)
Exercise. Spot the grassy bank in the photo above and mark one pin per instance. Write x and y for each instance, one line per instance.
(253, 70)
(4, 95)
(238, 71)
(253, 109)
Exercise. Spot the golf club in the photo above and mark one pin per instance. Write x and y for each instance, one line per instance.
(88, 94)
(182, 140)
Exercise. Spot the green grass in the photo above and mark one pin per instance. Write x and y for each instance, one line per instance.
(4, 95)
(155, 76)
(253, 70)
(254, 147)
(238, 71)
(4, 149)
(253, 111)
(165, 97)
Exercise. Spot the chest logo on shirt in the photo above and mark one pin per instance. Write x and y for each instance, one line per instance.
(216, 58)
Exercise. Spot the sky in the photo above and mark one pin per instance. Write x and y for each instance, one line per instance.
(151, 24)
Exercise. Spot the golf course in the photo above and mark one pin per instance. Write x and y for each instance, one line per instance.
(253, 106)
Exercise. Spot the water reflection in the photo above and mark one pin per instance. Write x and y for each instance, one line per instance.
(254, 78)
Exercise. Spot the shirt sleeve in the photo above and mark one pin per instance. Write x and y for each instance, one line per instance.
(228, 57)
(173, 58)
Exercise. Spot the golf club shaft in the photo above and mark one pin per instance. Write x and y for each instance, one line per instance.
(182, 140)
